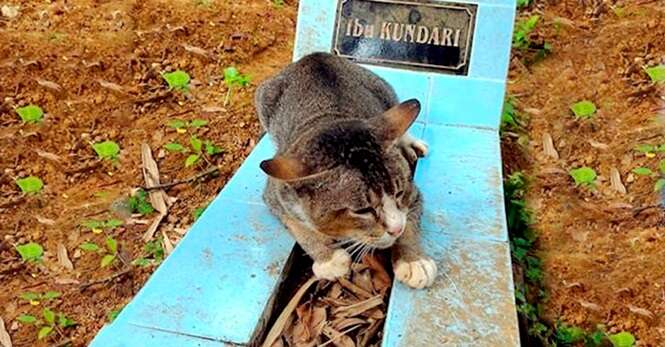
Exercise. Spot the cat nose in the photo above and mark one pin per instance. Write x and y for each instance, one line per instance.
(395, 230)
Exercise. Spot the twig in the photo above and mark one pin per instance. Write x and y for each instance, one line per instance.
(187, 180)
(106, 279)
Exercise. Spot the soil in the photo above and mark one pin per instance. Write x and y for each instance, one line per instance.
(602, 250)
(62, 55)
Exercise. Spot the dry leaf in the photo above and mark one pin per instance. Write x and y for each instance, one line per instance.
(278, 343)
(196, 50)
(380, 279)
(598, 145)
(278, 326)
(63, 258)
(589, 305)
(364, 280)
(158, 197)
(615, 181)
(49, 84)
(343, 323)
(112, 86)
(66, 281)
(336, 291)
(213, 109)
(548, 146)
(167, 244)
(358, 308)
(339, 339)
(5, 340)
(45, 221)
(359, 292)
(641, 311)
(369, 333)
(47, 155)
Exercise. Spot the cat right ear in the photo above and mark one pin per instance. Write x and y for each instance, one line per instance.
(396, 120)
(284, 168)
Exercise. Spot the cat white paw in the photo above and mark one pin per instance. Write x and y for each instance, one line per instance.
(416, 274)
(336, 267)
(419, 146)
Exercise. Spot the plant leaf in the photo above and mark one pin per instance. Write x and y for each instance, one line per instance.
(642, 171)
(622, 339)
(659, 185)
(174, 147)
(30, 113)
(107, 260)
(26, 319)
(176, 123)
(44, 332)
(112, 245)
(583, 176)
(644, 148)
(211, 149)
(29, 296)
(30, 251)
(49, 316)
(178, 80)
(89, 247)
(583, 109)
(656, 73)
(64, 321)
(196, 144)
(113, 223)
(661, 166)
(107, 149)
(30, 184)
(51, 294)
(197, 123)
(191, 160)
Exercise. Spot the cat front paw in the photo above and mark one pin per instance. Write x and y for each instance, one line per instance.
(337, 266)
(419, 146)
(416, 274)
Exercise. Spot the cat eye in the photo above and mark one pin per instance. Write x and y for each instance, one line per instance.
(365, 210)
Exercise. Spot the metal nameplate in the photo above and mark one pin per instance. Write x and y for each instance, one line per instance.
(429, 35)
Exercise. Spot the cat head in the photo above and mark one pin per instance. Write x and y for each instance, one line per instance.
(351, 180)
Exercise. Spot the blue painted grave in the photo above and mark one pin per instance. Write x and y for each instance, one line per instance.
(217, 286)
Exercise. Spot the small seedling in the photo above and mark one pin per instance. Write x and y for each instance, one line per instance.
(30, 252)
(108, 150)
(199, 211)
(584, 176)
(509, 116)
(569, 335)
(35, 298)
(197, 123)
(97, 226)
(522, 30)
(174, 147)
(197, 147)
(49, 324)
(642, 171)
(89, 247)
(656, 73)
(30, 184)
(181, 126)
(659, 185)
(622, 339)
(112, 248)
(30, 113)
(138, 203)
(661, 166)
(584, 109)
(113, 314)
(177, 80)
(153, 254)
(233, 78)
(523, 3)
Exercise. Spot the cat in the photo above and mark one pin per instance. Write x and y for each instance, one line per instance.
(343, 171)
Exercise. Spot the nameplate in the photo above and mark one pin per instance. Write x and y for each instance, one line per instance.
(429, 35)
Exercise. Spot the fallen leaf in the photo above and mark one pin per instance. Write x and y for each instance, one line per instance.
(5, 340)
(65, 281)
(112, 86)
(589, 305)
(615, 181)
(196, 50)
(358, 291)
(63, 258)
(548, 146)
(158, 197)
(213, 109)
(45, 221)
(47, 155)
(49, 84)
(167, 244)
(641, 311)
(343, 323)
(278, 326)
(339, 339)
(598, 145)
(358, 308)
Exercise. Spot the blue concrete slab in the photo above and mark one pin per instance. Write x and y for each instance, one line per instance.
(492, 42)
(127, 335)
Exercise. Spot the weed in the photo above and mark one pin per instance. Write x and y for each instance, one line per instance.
(199, 211)
(197, 146)
(30, 252)
(584, 176)
(51, 321)
(89, 247)
(30, 184)
(583, 109)
(197, 123)
(509, 116)
(97, 226)
(107, 150)
(36, 298)
(656, 73)
(181, 126)
(30, 113)
(622, 339)
(233, 78)
(642, 171)
(174, 147)
(113, 314)
(523, 29)
(278, 3)
(112, 249)
(523, 3)
(177, 80)
(153, 254)
(138, 203)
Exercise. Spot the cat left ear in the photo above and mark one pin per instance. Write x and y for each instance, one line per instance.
(284, 168)
(395, 121)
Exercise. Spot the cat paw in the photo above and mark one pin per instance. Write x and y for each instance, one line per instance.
(338, 266)
(416, 274)
(420, 147)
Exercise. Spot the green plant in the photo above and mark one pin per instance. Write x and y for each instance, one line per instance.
(509, 115)
(278, 3)
(197, 146)
(523, 29)
(233, 78)
(138, 203)
(622, 339)
(569, 335)
(89, 247)
(199, 211)
(51, 321)
(584, 109)
(30, 252)
(584, 176)
(35, 298)
(656, 73)
(153, 254)
(523, 3)
(97, 226)
(30, 113)
(659, 185)
(642, 171)
(30, 184)
(181, 126)
(112, 249)
(177, 80)
(113, 314)
(108, 150)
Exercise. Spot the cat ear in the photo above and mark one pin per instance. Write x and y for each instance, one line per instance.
(284, 168)
(395, 121)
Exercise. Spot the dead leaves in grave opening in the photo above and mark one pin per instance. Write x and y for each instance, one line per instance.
(348, 312)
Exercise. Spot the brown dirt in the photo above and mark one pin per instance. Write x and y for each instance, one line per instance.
(76, 44)
(603, 251)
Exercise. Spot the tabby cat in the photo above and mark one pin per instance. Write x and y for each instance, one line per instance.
(342, 178)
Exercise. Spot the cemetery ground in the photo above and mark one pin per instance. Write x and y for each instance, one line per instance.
(83, 85)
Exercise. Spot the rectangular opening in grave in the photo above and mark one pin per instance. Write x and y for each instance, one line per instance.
(350, 311)
(421, 35)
